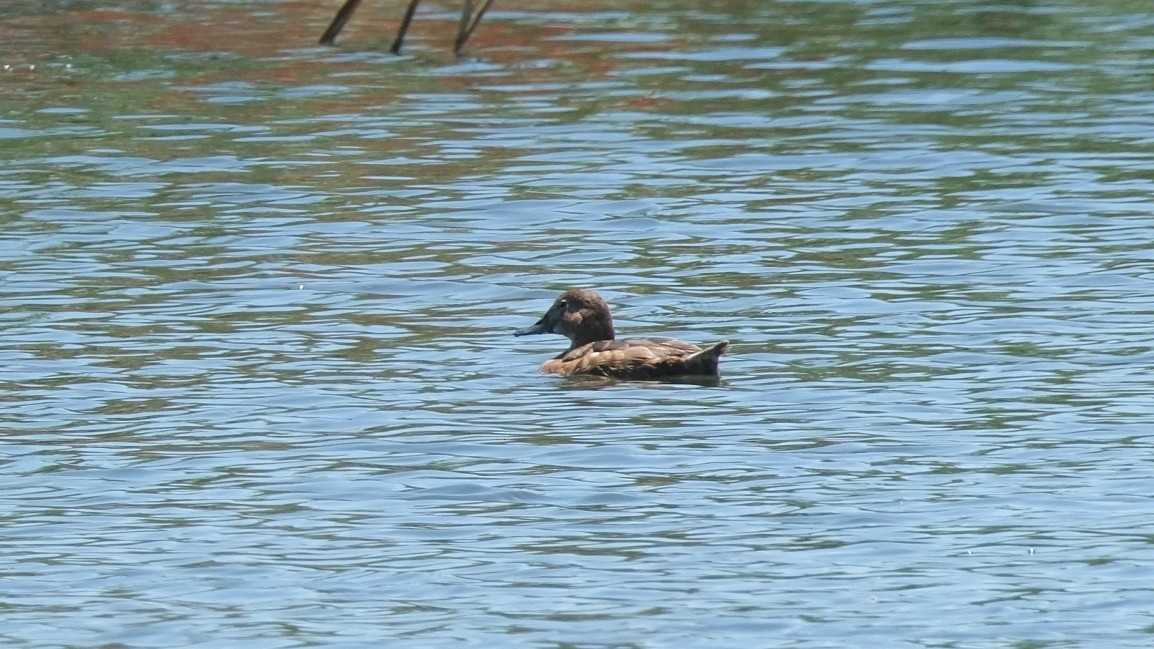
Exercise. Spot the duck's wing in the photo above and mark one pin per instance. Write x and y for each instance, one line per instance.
(639, 348)
(629, 358)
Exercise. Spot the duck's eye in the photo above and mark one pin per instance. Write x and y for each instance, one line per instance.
(564, 304)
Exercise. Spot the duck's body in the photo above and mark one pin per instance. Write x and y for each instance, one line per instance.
(583, 317)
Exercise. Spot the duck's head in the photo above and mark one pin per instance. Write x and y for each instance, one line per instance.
(579, 314)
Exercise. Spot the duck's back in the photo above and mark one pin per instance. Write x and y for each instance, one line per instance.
(637, 358)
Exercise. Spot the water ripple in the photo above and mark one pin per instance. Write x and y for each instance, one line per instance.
(258, 309)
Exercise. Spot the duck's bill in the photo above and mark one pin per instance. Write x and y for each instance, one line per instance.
(538, 328)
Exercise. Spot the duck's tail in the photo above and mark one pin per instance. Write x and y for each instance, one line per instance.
(705, 361)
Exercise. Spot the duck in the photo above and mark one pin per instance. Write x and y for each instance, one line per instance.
(582, 316)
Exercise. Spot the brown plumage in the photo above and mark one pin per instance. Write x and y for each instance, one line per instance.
(583, 317)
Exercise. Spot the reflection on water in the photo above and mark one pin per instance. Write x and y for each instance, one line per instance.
(259, 297)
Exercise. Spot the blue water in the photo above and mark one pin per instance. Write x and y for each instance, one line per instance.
(257, 298)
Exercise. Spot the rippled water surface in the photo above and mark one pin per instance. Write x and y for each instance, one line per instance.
(260, 388)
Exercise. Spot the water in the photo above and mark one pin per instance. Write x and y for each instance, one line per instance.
(257, 299)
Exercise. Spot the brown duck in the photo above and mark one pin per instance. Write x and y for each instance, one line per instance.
(583, 317)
